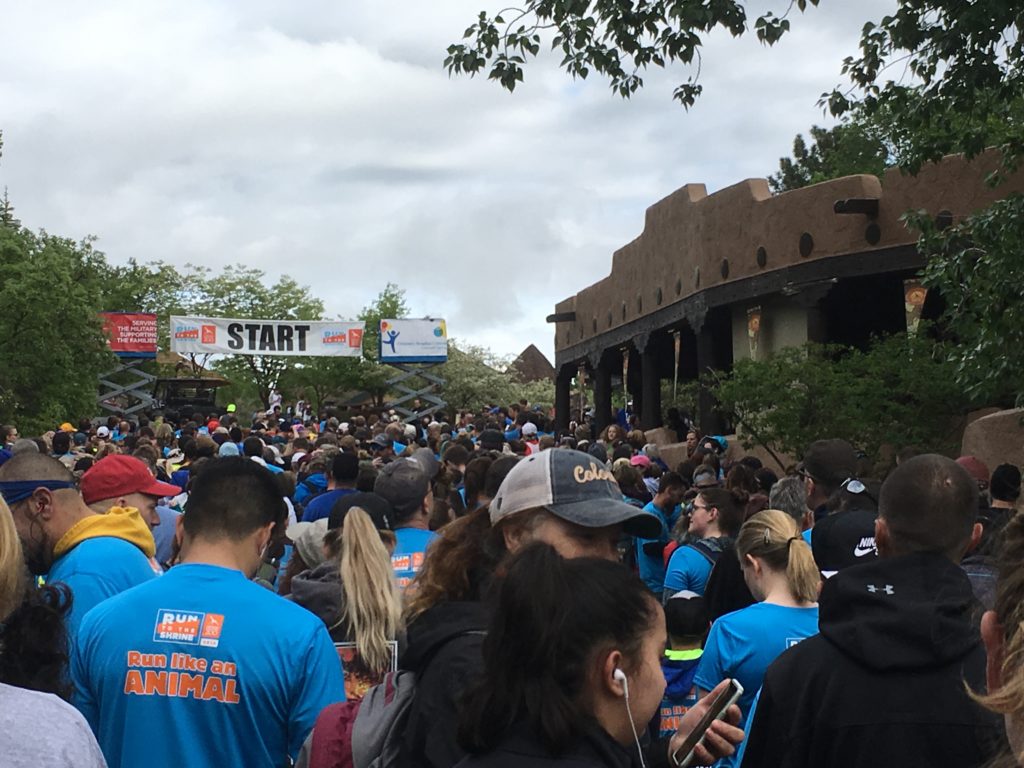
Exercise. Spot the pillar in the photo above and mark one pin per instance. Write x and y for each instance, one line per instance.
(602, 394)
(708, 420)
(563, 387)
(650, 387)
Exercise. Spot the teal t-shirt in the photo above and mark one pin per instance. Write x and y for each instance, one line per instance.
(743, 643)
(96, 569)
(410, 551)
(687, 569)
(203, 668)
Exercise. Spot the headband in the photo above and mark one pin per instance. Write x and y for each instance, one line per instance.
(14, 491)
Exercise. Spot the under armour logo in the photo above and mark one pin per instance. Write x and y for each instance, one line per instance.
(887, 589)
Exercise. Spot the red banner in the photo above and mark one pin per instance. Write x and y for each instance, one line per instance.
(131, 334)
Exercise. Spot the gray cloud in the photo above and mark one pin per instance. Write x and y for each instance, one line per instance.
(324, 140)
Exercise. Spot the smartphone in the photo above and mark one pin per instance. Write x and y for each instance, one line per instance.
(683, 756)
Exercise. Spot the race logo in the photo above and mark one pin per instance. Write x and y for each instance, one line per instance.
(355, 338)
(184, 331)
(209, 334)
(188, 627)
(212, 625)
(334, 337)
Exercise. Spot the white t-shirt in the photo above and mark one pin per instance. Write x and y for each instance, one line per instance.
(38, 729)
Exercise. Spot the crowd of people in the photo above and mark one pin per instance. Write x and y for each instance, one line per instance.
(485, 590)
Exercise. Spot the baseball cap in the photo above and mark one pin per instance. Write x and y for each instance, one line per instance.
(403, 485)
(573, 486)
(103, 432)
(67, 427)
(529, 429)
(374, 505)
(975, 468)
(428, 462)
(829, 461)
(119, 475)
(639, 460)
(381, 441)
(308, 539)
(839, 541)
(705, 477)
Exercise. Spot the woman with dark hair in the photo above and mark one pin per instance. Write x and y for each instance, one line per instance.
(33, 667)
(715, 519)
(568, 641)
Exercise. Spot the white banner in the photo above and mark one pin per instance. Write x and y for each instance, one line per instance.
(414, 341)
(290, 338)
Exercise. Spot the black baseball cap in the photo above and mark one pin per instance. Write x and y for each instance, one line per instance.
(403, 484)
(376, 507)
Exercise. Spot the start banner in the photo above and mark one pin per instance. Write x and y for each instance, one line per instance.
(290, 338)
(131, 334)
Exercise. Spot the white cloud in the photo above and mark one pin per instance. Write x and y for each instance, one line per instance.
(324, 140)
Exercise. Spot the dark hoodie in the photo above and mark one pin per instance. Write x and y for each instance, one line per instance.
(319, 591)
(523, 748)
(883, 683)
(444, 650)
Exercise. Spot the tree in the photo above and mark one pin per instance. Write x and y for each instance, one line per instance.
(319, 378)
(240, 291)
(618, 40)
(977, 266)
(51, 339)
(960, 78)
(475, 377)
(854, 147)
(900, 392)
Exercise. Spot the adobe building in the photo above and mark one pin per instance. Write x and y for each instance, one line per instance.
(742, 273)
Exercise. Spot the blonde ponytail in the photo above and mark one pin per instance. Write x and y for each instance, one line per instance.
(372, 606)
(774, 537)
(12, 566)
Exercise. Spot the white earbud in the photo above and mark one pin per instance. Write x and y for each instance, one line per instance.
(620, 676)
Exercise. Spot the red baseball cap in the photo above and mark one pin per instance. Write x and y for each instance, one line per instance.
(119, 475)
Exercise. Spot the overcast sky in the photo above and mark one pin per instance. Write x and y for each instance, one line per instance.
(324, 140)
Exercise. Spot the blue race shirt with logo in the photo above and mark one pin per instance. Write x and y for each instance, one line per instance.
(96, 569)
(743, 643)
(410, 550)
(203, 668)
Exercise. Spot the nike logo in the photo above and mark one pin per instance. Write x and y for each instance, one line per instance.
(861, 551)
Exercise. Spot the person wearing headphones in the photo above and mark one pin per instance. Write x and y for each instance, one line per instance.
(572, 670)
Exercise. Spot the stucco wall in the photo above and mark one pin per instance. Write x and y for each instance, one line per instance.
(692, 241)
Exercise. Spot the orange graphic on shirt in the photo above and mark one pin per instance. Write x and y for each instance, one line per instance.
(212, 626)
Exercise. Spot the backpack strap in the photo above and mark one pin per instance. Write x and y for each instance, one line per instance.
(709, 554)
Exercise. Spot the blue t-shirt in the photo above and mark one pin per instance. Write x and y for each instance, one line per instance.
(652, 567)
(743, 643)
(410, 550)
(321, 506)
(96, 569)
(203, 668)
(687, 569)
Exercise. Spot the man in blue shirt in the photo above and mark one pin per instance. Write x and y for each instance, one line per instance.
(203, 667)
(665, 506)
(344, 471)
(405, 486)
(96, 556)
